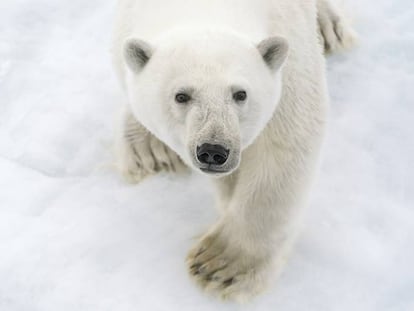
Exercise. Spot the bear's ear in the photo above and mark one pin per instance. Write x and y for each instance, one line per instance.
(137, 53)
(274, 51)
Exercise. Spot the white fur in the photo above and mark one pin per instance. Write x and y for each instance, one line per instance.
(214, 46)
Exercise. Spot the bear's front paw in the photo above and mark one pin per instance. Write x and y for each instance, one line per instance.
(145, 155)
(133, 164)
(227, 271)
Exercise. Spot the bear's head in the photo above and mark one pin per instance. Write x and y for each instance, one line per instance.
(207, 95)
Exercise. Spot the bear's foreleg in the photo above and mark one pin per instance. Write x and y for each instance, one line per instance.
(249, 243)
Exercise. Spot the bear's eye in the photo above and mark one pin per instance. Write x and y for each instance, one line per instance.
(182, 98)
(240, 96)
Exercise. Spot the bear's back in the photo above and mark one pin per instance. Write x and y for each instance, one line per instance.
(256, 19)
(149, 19)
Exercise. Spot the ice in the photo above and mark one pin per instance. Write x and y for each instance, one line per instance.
(74, 236)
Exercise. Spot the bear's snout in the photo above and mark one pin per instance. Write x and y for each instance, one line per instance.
(212, 154)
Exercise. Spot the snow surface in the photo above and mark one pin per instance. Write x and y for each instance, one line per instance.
(74, 236)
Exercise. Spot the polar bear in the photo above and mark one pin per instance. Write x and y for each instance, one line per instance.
(235, 90)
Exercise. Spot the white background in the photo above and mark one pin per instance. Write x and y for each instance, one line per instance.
(74, 236)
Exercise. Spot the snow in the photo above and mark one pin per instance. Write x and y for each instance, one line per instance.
(74, 236)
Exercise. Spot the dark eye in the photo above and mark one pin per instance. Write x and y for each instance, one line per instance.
(240, 96)
(182, 98)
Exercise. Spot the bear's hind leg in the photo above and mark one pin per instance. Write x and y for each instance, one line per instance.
(335, 33)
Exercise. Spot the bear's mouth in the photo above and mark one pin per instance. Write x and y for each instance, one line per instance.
(215, 170)
(212, 170)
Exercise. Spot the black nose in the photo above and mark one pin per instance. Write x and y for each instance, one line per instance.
(212, 154)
